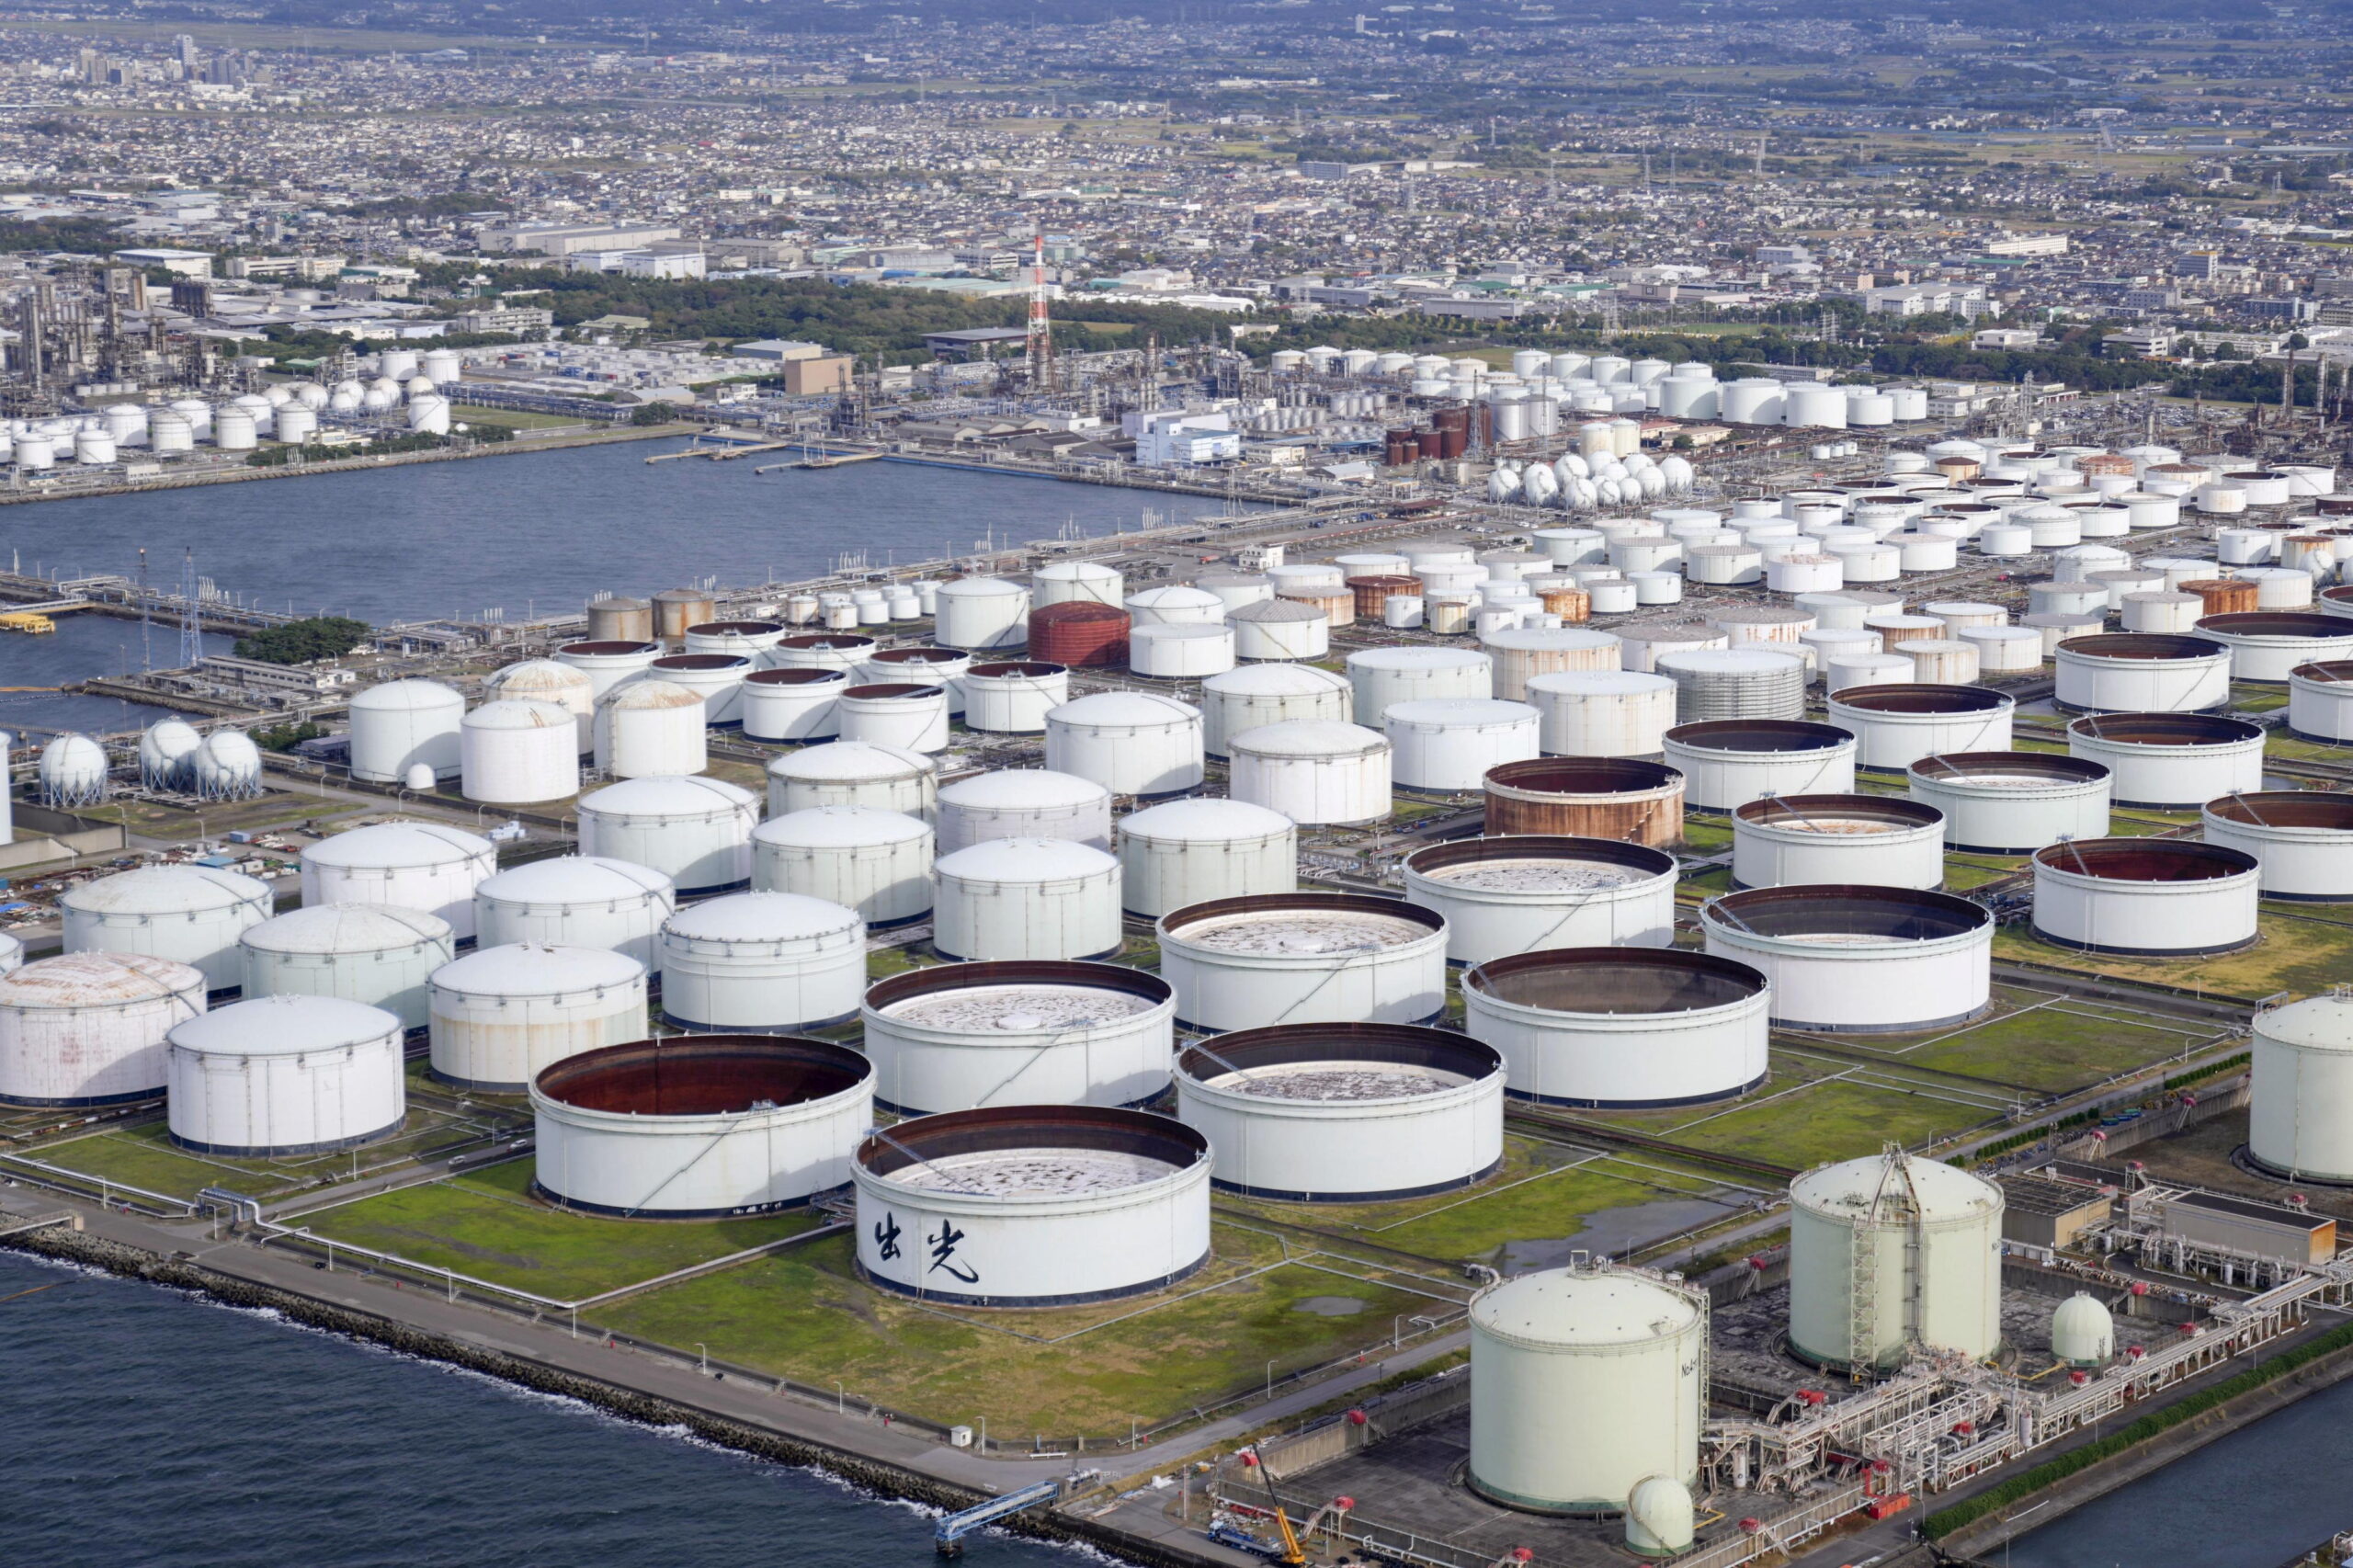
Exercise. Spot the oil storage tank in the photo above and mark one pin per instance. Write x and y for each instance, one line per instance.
(1190, 851)
(2302, 838)
(1621, 1028)
(426, 865)
(402, 723)
(1876, 840)
(962, 1037)
(608, 662)
(2008, 803)
(1585, 1382)
(1587, 797)
(1027, 898)
(760, 964)
(1447, 744)
(500, 1014)
(650, 729)
(576, 901)
(1602, 712)
(1516, 895)
(854, 773)
(698, 1127)
(193, 914)
(515, 752)
(2145, 895)
(1274, 693)
(1032, 1206)
(376, 954)
(1865, 959)
(2302, 1062)
(569, 687)
(876, 862)
(87, 1028)
(1029, 802)
(1895, 726)
(1131, 743)
(694, 830)
(983, 614)
(1890, 1251)
(791, 705)
(1409, 674)
(1301, 957)
(2265, 645)
(286, 1074)
(2178, 760)
(1312, 772)
(1013, 697)
(1345, 1113)
(1730, 762)
(2141, 671)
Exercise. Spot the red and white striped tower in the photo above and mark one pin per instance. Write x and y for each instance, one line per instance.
(1041, 330)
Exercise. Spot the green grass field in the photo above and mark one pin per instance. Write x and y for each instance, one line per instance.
(2295, 951)
(144, 1156)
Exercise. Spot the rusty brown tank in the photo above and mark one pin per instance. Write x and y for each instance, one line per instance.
(1372, 593)
(2224, 595)
(1587, 797)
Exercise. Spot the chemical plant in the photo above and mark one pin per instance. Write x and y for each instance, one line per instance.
(1700, 964)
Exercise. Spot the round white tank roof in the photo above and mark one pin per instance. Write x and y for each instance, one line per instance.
(533, 677)
(1025, 860)
(668, 794)
(1175, 596)
(573, 879)
(537, 968)
(1464, 712)
(1943, 1191)
(1198, 819)
(283, 1025)
(2316, 1022)
(521, 713)
(2081, 1313)
(396, 695)
(841, 827)
(1013, 786)
(96, 979)
(982, 587)
(387, 845)
(1415, 658)
(647, 693)
(1575, 1309)
(1599, 682)
(1123, 708)
(1275, 611)
(851, 761)
(1544, 637)
(165, 890)
(760, 917)
(345, 929)
(1277, 679)
(1310, 737)
(1074, 572)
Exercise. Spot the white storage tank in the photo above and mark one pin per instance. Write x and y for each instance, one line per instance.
(2170, 760)
(1622, 1028)
(402, 723)
(87, 1028)
(1730, 762)
(286, 1074)
(377, 954)
(1585, 1382)
(1041, 1206)
(1089, 580)
(1737, 683)
(761, 962)
(2008, 803)
(1521, 652)
(1414, 674)
(851, 773)
(1174, 604)
(1447, 744)
(1892, 1251)
(569, 687)
(791, 705)
(983, 613)
(1312, 773)
(2303, 839)
(429, 866)
(1602, 712)
(2320, 702)
(608, 662)
(876, 862)
(717, 678)
(517, 751)
(967, 1037)
(1864, 959)
(2146, 896)
(842, 651)
(1131, 743)
(1895, 726)
(1180, 650)
(696, 831)
(500, 1014)
(698, 1127)
(1013, 697)
(1189, 851)
(2136, 672)
(192, 915)
(650, 729)
(1280, 629)
(1345, 1113)
(749, 638)
(1253, 963)
(576, 902)
(2302, 1062)
(2265, 645)
(1027, 898)
(1270, 694)
(1789, 840)
(1024, 803)
(905, 715)
(1523, 892)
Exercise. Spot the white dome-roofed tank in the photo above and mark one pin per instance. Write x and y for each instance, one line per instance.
(1062, 580)
(1303, 958)
(1180, 651)
(1584, 1382)
(1661, 1518)
(694, 830)
(286, 1074)
(2082, 1332)
(569, 687)
(370, 953)
(1311, 772)
(876, 862)
(87, 1028)
(1131, 743)
(429, 866)
(227, 766)
(1520, 892)
(762, 962)
(1622, 1028)
(1272, 693)
(1027, 898)
(1929, 1271)
(983, 613)
(854, 773)
(651, 728)
(1032, 1206)
(499, 1016)
(576, 902)
(166, 755)
(1024, 803)
(1280, 629)
(1866, 959)
(1385, 676)
(965, 1036)
(1191, 851)
(72, 772)
(698, 1127)
(442, 367)
(517, 751)
(2153, 896)
(1179, 604)
(1345, 1113)
(1447, 744)
(2300, 1126)
(191, 913)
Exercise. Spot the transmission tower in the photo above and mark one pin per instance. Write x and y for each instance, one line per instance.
(191, 622)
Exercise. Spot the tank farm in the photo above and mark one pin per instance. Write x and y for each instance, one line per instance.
(1456, 1034)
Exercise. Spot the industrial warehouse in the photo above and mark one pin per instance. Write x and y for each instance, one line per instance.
(1442, 1032)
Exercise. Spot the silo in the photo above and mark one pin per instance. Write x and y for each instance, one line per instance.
(1180, 651)
(500, 1014)
(427, 866)
(1345, 1113)
(696, 831)
(650, 729)
(569, 687)
(1893, 1251)
(1190, 851)
(876, 862)
(620, 620)
(1408, 674)
(980, 613)
(608, 663)
(286, 1074)
(1863, 960)
(193, 914)
(1303, 958)
(791, 705)
(1032, 1206)
(1518, 894)
(1013, 697)
(1730, 762)
(1311, 772)
(1620, 1028)
(1027, 898)
(1131, 743)
(2302, 838)
(576, 902)
(964, 1037)
(1874, 840)
(2142, 673)
(1585, 1382)
(1447, 744)
(761, 962)
(1024, 803)
(1079, 634)
(2299, 1125)
(2146, 896)
(515, 752)
(1269, 694)
(903, 715)
(674, 609)
(2176, 760)
(698, 1127)
(87, 1028)
(851, 773)
(1070, 581)
(373, 953)
(398, 725)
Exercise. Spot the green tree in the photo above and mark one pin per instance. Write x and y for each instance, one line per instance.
(305, 642)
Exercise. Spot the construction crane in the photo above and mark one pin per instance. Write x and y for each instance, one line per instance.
(1290, 1548)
